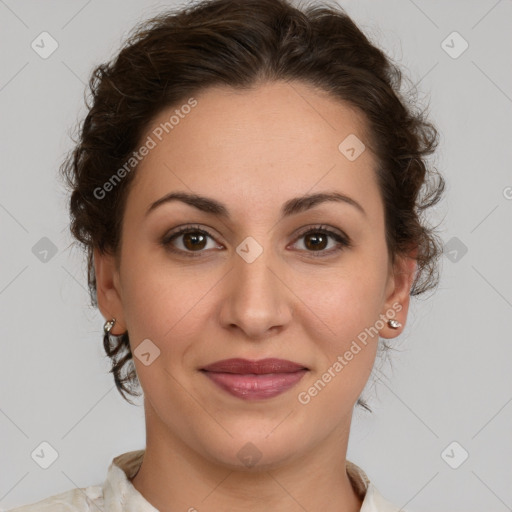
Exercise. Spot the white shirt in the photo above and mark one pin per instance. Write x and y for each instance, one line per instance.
(117, 493)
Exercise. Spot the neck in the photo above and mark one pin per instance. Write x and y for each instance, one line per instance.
(173, 477)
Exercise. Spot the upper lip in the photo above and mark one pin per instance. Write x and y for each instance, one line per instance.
(245, 366)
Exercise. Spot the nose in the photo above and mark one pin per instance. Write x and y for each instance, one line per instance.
(257, 300)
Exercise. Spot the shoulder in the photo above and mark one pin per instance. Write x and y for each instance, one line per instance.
(75, 500)
(372, 499)
(375, 502)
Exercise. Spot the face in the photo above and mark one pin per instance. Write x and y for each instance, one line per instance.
(257, 275)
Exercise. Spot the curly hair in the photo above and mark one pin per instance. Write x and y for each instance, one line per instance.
(242, 43)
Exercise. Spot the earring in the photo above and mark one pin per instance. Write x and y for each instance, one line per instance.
(109, 324)
(394, 324)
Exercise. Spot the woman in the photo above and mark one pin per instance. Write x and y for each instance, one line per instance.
(247, 188)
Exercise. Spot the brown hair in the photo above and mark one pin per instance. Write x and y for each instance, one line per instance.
(241, 43)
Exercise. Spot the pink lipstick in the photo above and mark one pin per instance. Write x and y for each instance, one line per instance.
(255, 380)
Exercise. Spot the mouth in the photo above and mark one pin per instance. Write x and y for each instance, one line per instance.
(255, 380)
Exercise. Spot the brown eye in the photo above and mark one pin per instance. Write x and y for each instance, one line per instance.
(316, 241)
(194, 240)
(189, 241)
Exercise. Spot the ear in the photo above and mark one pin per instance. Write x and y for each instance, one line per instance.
(398, 288)
(108, 290)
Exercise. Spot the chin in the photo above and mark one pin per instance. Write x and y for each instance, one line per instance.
(260, 451)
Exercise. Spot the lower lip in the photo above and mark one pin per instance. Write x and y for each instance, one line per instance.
(255, 387)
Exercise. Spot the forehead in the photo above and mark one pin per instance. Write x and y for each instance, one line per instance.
(277, 139)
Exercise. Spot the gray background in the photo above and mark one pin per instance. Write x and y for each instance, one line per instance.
(450, 379)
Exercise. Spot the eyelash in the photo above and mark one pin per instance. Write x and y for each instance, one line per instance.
(344, 241)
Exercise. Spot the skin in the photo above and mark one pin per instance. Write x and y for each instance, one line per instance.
(252, 151)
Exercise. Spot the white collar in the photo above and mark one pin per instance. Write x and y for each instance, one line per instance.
(119, 494)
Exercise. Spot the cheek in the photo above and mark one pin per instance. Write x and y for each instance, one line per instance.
(353, 320)
(347, 298)
(346, 341)
(166, 308)
(164, 302)
(340, 312)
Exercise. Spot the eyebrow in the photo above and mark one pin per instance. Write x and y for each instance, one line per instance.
(290, 207)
